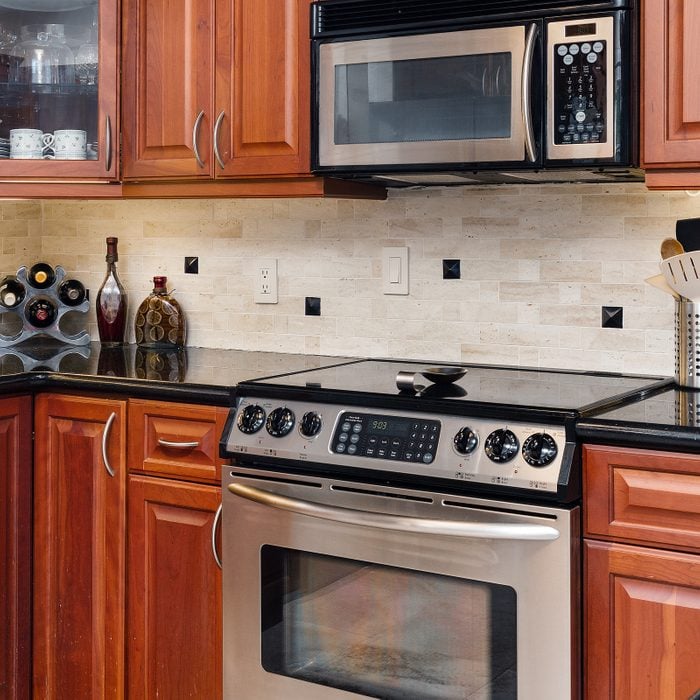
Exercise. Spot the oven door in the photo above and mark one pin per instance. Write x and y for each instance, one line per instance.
(450, 98)
(339, 590)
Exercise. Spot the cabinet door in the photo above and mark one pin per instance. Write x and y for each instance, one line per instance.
(671, 90)
(642, 628)
(168, 88)
(174, 599)
(79, 547)
(59, 77)
(262, 87)
(15, 547)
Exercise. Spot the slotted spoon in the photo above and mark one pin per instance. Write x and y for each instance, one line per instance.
(682, 272)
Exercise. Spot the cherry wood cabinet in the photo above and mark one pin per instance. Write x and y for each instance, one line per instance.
(174, 591)
(15, 547)
(641, 574)
(671, 93)
(215, 88)
(79, 547)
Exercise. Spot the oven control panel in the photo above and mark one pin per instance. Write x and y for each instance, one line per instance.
(469, 449)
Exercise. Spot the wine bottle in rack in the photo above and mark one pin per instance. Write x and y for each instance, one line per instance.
(111, 300)
(41, 312)
(71, 292)
(41, 275)
(12, 292)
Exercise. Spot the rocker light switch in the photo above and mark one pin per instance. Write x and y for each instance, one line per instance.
(395, 270)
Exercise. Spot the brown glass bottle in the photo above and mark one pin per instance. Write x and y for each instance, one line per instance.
(159, 320)
(111, 300)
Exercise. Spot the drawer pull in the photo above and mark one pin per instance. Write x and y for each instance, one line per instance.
(105, 437)
(178, 445)
(215, 524)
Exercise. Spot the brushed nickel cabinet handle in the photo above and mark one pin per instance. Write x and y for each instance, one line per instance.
(108, 143)
(217, 128)
(105, 438)
(214, 526)
(530, 146)
(195, 138)
(178, 445)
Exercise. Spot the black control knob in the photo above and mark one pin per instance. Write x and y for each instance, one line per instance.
(465, 441)
(501, 446)
(310, 424)
(539, 449)
(280, 422)
(251, 419)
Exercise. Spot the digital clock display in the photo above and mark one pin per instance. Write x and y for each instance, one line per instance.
(381, 425)
(580, 29)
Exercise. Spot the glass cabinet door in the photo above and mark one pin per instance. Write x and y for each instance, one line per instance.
(58, 88)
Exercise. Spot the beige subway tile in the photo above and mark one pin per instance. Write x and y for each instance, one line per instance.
(543, 293)
(570, 271)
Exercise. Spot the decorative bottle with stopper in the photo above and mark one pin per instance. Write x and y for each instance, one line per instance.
(160, 322)
(111, 300)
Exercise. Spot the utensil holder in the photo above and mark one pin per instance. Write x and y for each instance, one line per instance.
(688, 344)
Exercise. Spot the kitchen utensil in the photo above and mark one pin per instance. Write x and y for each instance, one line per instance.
(671, 247)
(659, 281)
(682, 273)
(688, 233)
(687, 344)
(444, 375)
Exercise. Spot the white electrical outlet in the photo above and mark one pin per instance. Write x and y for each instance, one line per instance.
(265, 290)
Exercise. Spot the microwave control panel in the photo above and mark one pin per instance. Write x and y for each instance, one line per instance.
(581, 82)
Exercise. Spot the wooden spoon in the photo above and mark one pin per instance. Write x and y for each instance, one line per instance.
(671, 247)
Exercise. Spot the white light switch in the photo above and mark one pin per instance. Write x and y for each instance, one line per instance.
(395, 270)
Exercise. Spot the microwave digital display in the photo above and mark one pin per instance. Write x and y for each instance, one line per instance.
(580, 29)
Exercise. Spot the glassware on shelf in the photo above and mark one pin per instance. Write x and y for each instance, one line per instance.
(86, 61)
(7, 43)
(43, 57)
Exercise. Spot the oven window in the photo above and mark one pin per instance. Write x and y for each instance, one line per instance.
(386, 632)
(428, 99)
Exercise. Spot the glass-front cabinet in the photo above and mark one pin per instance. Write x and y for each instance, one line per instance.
(58, 89)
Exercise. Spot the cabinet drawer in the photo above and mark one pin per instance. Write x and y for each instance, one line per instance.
(644, 496)
(176, 439)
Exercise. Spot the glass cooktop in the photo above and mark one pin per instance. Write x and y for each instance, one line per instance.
(580, 393)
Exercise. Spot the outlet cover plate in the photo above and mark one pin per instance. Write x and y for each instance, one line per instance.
(265, 281)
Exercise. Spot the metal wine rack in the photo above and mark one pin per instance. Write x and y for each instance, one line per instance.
(28, 330)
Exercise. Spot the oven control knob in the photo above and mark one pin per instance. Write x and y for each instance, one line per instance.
(539, 449)
(310, 424)
(501, 445)
(251, 419)
(280, 422)
(465, 441)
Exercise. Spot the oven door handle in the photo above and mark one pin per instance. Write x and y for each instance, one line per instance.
(526, 106)
(423, 526)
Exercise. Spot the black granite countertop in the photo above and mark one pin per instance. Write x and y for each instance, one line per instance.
(668, 420)
(202, 375)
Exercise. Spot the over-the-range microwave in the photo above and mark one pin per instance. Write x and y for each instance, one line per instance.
(419, 92)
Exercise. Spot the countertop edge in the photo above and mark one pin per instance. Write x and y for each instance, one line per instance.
(642, 435)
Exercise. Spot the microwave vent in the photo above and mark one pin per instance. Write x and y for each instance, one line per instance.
(347, 17)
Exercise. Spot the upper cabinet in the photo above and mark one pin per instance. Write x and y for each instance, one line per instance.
(215, 89)
(671, 93)
(59, 89)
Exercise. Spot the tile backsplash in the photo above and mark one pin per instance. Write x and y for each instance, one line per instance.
(537, 265)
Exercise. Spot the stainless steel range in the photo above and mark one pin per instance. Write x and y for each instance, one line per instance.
(389, 533)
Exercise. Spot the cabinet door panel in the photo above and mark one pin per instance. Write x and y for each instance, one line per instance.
(15, 547)
(174, 602)
(671, 96)
(79, 572)
(263, 86)
(168, 54)
(642, 623)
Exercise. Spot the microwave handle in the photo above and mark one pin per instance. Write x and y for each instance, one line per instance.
(528, 56)
(423, 526)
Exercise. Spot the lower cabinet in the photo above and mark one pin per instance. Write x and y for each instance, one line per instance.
(641, 574)
(174, 590)
(15, 547)
(79, 547)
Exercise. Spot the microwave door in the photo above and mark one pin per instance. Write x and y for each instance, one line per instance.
(432, 99)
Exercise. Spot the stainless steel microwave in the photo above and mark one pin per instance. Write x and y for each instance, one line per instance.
(417, 92)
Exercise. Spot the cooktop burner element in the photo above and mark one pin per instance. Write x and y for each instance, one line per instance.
(487, 429)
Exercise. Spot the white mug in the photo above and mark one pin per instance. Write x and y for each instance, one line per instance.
(70, 144)
(29, 143)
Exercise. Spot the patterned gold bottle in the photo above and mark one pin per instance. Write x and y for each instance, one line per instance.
(160, 322)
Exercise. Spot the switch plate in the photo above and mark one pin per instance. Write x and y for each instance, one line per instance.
(395, 270)
(265, 289)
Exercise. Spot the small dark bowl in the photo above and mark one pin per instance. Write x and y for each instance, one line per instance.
(444, 375)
